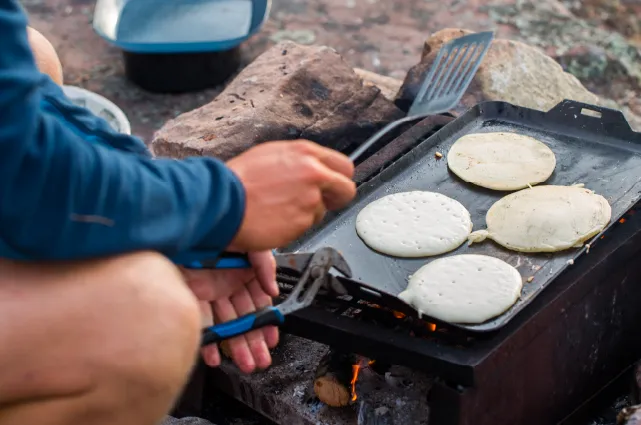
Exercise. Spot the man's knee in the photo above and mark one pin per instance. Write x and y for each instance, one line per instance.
(160, 314)
(155, 339)
(120, 333)
(154, 345)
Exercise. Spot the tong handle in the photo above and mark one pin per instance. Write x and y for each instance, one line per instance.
(209, 260)
(264, 317)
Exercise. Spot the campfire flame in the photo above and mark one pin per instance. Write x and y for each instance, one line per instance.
(400, 315)
(355, 372)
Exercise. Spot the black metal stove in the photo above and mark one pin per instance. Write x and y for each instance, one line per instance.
(558, 352)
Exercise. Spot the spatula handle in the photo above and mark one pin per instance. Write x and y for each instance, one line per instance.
(379, 135)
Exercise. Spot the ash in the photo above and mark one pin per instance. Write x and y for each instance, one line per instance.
(284, 393)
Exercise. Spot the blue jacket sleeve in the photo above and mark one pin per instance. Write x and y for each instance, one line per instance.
(62, 197)
(93, 128)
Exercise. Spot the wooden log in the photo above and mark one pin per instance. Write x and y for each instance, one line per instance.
(630, 416)
(333, 380)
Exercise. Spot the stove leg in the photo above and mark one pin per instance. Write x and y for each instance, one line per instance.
(446, 403)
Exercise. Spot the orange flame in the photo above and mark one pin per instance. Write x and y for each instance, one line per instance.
(431, 327)
(622, 220)
(355, 370)
(399, 315)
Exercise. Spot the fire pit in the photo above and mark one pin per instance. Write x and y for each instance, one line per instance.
(384, 367)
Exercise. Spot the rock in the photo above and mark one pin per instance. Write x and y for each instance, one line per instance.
(512, 71)
(603, 59)
(289, 92)
(632, 116)
(441, 37)
(616, 15)
(389, 86)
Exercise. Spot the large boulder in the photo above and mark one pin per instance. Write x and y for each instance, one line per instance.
(511, 71)
(389, 86)
(289, 92)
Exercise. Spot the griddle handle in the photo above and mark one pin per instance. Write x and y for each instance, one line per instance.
(606, 121)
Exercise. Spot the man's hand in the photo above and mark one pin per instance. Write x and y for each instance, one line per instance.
(288, 186)
(231, 293)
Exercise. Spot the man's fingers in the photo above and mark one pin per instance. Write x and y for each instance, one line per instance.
(319, 213)
(205, 313)
(214, 284)
(244, 304)
(210, 353)
(224, 311)
(261, 299)
(336, 161)
(337, 190)
(333, 173)
(264, 266)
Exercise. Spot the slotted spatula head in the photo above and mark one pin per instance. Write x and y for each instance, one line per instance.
(451, 73)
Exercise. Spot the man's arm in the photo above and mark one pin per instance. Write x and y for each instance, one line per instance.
(83, 120)
(62, 197)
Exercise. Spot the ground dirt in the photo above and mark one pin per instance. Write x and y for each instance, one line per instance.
(590, 38)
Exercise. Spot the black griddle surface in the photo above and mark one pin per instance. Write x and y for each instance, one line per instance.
(601, 152)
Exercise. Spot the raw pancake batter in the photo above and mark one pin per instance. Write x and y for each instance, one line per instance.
(414, 224)
(464, 288)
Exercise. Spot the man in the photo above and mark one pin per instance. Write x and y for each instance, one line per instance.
(97, 325)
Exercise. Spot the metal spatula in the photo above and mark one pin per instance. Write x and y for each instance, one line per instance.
(445, 83)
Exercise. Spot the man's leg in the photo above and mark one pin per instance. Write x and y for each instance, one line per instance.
(107, 342)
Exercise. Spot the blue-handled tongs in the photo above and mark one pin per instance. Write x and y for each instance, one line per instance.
(314, 273)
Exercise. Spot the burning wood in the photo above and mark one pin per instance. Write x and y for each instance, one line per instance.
(630, 416)
(401, 316)
(336, 378)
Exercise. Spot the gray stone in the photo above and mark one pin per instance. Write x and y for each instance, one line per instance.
(512, 71)
(289, 92)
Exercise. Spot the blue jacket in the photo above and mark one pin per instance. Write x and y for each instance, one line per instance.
(72, 188)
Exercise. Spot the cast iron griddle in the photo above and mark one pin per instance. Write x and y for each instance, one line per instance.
(601, 152)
